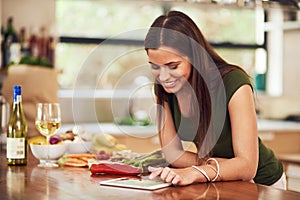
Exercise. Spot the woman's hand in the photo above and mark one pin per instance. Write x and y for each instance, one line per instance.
(181, 177)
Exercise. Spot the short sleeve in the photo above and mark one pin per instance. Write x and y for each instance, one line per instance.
(234, 80)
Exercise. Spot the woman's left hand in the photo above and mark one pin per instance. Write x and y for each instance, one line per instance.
(182, 176)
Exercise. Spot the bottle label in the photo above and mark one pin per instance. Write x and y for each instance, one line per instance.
(15, 148)
(17, 99)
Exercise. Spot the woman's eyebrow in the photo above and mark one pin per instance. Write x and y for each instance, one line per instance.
(166, 64)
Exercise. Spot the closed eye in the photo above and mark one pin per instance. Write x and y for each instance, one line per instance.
(154, 66)
(173, 66)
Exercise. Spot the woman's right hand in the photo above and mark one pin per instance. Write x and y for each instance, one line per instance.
(183, 176)
(155, 171)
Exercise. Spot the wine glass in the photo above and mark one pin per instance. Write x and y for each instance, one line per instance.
(48, 121)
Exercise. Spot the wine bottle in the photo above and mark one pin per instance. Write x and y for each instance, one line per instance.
(4, 117)
(16, 143)
(10, 38)
(24, 42)
(3, 48)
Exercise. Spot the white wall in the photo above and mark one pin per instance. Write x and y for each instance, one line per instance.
(291, 63)
(32, 14)
(288, 102)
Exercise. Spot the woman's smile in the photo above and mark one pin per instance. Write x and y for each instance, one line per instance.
(171, 69)
(169, 84)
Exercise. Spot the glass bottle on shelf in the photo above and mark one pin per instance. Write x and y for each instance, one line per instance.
(10, 41)
(4, 116)
(24, 42)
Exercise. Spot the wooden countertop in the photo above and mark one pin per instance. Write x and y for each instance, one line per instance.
(32, 182)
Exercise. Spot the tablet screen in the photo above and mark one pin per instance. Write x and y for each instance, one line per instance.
(143, 183)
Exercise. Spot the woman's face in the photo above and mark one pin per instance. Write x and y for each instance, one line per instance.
(171, 69)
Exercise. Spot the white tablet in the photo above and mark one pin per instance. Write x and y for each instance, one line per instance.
(143, 183)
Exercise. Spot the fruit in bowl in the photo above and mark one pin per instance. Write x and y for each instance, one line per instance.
(39, 151)
(78, 146)
(78, 140)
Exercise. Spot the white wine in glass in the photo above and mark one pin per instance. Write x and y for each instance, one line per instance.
(47, 128)
(47, 122)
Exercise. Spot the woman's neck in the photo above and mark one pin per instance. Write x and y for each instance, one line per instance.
(184, 102)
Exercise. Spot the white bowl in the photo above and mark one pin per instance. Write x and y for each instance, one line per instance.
(55, 151)
(79, 147)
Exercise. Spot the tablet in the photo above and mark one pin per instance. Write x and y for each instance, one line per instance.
(143, 183)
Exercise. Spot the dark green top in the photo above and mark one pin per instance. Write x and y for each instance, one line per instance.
(269, 167)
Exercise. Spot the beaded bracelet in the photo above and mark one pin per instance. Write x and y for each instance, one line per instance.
(202, 172)
(218, 168)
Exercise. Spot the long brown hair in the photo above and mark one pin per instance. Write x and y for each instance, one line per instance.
(178, 31)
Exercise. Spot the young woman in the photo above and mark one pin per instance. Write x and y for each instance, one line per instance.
(208, 101)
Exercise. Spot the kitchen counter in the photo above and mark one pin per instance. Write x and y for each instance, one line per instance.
(140, 139)
(114, 129)
(277, 125)
(32, 182)
(280, 136)
(264, 125)
(290, 158)
(283, 137)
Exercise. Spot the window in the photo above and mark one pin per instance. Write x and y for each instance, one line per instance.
(103, 21)
(83, 24)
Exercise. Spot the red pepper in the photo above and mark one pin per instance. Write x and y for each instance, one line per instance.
(115, 168)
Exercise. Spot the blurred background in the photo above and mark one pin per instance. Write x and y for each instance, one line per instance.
(262, 37)
(89, 56)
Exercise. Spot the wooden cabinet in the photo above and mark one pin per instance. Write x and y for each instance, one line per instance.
(139, 144)
(282, 137)
(281, 142)
(291, 164)
(139, 139)
(148, 144)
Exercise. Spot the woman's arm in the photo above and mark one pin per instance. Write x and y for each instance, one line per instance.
(244, 164)
(171, 143)
(245, 145)
(244, 137)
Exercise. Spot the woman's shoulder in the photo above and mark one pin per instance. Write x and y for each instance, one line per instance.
(233, 80)
(237, 74)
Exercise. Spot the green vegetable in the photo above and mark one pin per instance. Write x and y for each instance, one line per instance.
(129, 121)
(154, 159)
(31, 60)
(62, 160)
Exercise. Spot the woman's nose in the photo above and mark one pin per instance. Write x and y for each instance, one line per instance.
(164, 74)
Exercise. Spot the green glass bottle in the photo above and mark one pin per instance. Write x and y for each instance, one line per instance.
(16, 144)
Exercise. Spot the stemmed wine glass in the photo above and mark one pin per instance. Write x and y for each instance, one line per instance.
(48, 121)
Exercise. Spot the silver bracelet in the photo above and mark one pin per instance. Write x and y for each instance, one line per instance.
(218, 168)
(202, 172)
